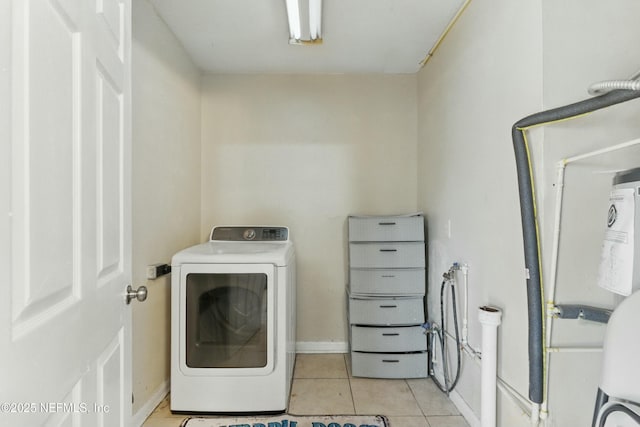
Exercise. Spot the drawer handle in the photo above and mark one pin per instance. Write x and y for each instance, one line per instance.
(388, 250)
(390, 335)
(390, 361)
(386, 223)
(388, 306)
(389, 275)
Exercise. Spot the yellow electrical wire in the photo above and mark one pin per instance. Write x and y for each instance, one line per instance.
(566, 119)
(524, 130)
(444, 33)
(538, 248)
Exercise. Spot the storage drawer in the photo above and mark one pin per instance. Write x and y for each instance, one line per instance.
(398, 339)
(387, 282)
(389, 365)
(386, 311)
(387, 255)
(387, 229)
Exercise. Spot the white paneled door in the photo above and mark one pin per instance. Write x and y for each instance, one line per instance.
(65, 351)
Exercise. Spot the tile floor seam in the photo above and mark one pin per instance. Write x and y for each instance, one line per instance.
(353, 399)
(416, 399)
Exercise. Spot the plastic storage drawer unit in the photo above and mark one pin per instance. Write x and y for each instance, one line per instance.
(386, 296)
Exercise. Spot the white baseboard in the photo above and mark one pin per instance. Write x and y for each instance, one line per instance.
(464, 409)
(322, 347)
(143, 413)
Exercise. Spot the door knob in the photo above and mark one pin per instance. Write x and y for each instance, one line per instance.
(140, 294)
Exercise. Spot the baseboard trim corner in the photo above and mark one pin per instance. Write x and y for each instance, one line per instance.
(465, 409)
(147, 409)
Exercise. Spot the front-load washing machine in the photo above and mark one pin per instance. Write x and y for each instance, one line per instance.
(233, 322)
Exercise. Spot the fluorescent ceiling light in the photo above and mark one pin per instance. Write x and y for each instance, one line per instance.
(315, 19)
(305, 21)
(293, 13)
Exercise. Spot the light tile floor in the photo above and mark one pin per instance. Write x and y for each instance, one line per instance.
(322, 385)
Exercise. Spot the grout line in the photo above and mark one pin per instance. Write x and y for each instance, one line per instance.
(425, 416)
(416, 400)
(346, 368)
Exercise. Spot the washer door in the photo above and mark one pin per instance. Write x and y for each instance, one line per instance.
(227, 318)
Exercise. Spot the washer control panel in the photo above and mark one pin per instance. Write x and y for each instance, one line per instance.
(250, 234)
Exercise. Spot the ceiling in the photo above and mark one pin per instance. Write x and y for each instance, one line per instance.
(359, 36)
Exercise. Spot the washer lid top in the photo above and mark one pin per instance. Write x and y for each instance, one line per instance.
(240, 245)
(250, 234)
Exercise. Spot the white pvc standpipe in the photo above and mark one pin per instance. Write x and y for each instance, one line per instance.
(465, 311)
(490, 318)
(550, 291)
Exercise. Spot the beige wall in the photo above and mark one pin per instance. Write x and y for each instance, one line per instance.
(504, 61)
(166, 185)
(470, 93)
(305, 152)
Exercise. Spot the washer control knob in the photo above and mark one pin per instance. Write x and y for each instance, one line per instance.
(249, 234)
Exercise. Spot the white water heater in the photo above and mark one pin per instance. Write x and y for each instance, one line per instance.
(620, 262)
